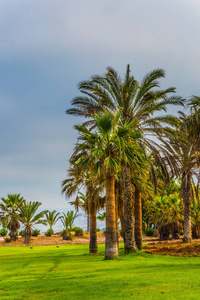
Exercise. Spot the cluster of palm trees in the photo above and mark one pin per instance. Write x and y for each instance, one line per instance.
(124, 146)
(15, 210)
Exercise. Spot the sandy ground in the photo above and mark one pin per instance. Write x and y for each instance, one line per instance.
(152, 244)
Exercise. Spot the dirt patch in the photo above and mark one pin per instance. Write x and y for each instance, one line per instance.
(54, 240)
(172, 247)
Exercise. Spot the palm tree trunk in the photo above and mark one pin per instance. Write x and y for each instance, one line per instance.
(93, 228)
(27, 236)
(138, 218)
(121, 209)
(116, 210)
(111, 246)
(128, 212)
(186, 188)
(88, 222)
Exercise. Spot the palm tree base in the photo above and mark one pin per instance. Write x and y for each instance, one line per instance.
(111, 246)
(187, 240)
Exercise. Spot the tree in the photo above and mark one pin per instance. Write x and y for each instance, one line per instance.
(68, 220)
(110, 144)
(10, 207)
(182, 146)
(28, 217)
(138, 102)
(52, 218)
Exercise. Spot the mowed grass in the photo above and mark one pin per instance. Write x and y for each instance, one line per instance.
(68, 272)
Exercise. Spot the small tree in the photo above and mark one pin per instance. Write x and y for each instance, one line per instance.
(27, 216)
(68, 220)
(10, 207)
(51, 218)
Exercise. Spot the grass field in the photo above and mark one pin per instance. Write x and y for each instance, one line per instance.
(68, 272)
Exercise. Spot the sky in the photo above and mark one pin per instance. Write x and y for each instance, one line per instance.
(47, 47)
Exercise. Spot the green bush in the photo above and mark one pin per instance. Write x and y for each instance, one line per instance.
(3, 232)
(78, 231)
(35, 232)
(22, 233)
(98, 230)
(63, 232)
(149, 232)
(7, 240)
(49, 232)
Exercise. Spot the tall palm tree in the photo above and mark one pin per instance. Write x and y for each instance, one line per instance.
(9, 207)
(28, 217)
(111, 144)
(182, 146)
(52, 218)
(138, 102)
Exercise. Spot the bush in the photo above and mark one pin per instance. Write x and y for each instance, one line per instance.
(98, 230)
(49, 232)
(35, 232)
(7, 240)
(63, 232)
(22, 233)
(78, 231)
(3, 232)
(149, 232)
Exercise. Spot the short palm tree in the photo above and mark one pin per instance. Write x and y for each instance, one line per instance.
(10, 207)
(68, 220)
(52, 218)
(28, 217)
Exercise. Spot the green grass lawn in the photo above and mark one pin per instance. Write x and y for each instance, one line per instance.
(68, 272)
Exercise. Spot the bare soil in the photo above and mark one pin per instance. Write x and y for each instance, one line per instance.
(152, 244)
(172, 247)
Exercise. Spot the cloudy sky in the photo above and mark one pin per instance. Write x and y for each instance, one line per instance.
(47, 47)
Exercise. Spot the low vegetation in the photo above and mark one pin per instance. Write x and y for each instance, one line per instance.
(68, 272)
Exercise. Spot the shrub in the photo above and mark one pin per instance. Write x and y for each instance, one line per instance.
(35, 232)
(149, 232)
(63, 232)
(22, 233)
(3, 232)
(78, 231)
(98, 230)
(49, 232)
(7, 240)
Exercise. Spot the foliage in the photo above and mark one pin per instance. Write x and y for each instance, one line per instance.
(35, 232)
(102, 216)
(22, 232)
(49, 232)
(3, 232)
(52, 218)
(78, 231)
(149, 232)
(68, 220)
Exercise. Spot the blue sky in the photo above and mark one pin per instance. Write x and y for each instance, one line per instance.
(47, 47)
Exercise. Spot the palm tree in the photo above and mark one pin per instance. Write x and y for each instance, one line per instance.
(9, 207)
(52, 218)
(68, 220)
(110, 144)
(182, 149)
(138, 102)
(91, 202)
(28, 217)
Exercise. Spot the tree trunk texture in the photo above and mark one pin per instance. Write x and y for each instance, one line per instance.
(88, 223)
(128, 212)
(93, 228)
(27, 236)
(111, 246)
(116, 210)
(138, 218)
(186, 188)
(121, 209)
